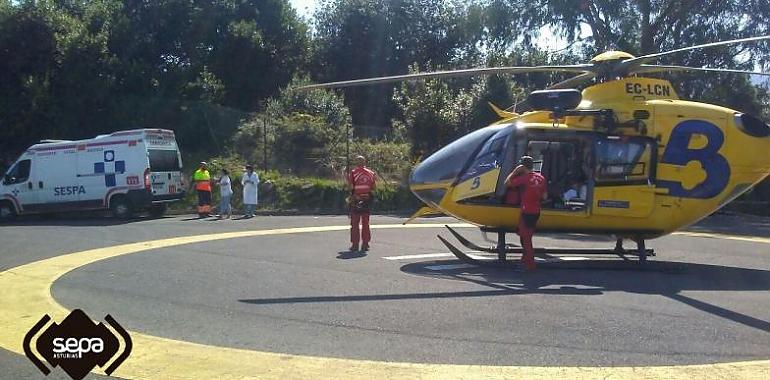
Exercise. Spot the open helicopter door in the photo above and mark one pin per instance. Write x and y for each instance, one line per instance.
(479, 180)
(624, 176)
(564, 158)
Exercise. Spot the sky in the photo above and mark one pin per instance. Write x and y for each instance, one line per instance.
(304, 7)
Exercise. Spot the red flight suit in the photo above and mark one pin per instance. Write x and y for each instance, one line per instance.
(531, 186)
(361, 179)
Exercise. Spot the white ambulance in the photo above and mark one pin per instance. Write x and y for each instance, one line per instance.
(126, 172)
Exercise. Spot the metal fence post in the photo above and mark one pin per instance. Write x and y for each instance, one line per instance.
(264, 143)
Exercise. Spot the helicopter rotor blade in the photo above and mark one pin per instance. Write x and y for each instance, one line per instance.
(632, 64)
(574, 81)
(668, 68)
(582, 68)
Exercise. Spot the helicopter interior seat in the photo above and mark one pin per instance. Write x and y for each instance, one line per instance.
(556, 165)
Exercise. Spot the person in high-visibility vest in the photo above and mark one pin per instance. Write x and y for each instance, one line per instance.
(362, 181)
(202, 182)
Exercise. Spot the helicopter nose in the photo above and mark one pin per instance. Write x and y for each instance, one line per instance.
(426, 185)
(432, 177)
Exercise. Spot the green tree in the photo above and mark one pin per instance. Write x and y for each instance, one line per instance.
(252, 47)
(73, 69)
(648, 26)
(433, 114)
(364, 38)
(301, 130)
(322, 103)
(28, 46)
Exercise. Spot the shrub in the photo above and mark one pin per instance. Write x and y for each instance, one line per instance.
(302, 144)
(391, 160)
(328, 196)
(283, 192)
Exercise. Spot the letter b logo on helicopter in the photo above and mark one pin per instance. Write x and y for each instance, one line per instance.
(714, 164)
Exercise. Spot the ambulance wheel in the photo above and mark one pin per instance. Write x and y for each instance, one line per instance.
(7, 211)
(121, 207)
(156, 211)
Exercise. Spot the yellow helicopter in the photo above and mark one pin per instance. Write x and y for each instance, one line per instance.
(626, 157)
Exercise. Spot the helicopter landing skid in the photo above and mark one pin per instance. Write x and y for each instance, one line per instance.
(470, 260)
(502, 249)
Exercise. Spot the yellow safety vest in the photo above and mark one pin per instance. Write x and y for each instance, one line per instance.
(202, 180)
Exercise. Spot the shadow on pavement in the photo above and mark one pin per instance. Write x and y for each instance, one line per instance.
(75, 220)
(662, 278)
(667, 279)
(347, 255)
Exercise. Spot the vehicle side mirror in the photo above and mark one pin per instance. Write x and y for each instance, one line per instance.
(7, 179)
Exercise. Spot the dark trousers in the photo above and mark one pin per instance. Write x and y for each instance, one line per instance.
(204, 202)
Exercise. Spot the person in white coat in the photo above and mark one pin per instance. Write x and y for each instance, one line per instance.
(226, 192)
(250, 182)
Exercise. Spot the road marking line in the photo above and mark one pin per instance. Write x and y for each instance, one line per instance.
(753, 239)
(449, 267)
(434, 256)
(27, 297)
(422, 256)
(479, 257)
(568, 258)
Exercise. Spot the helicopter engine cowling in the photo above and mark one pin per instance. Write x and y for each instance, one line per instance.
(555, 100)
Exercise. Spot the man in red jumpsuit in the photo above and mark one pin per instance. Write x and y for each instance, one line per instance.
(362, 181)
(532, 189)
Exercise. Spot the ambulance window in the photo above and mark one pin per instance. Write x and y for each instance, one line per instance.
(448, 161)
(164, 160)
(624, 161)
(19, 173)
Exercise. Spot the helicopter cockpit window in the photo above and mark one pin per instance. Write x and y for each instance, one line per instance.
(622, 161)
(447, 162)
(490, 155)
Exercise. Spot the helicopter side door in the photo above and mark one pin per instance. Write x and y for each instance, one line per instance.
(564, 159)
(624, 176)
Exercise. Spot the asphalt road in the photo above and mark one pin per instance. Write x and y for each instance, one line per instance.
(702, 299)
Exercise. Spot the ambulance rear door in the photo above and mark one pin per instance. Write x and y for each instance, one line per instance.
(165, 172)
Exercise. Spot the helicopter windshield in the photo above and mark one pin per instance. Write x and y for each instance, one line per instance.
(489, 156)
(447, 162)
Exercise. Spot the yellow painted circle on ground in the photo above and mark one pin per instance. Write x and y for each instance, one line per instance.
(27, 297)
